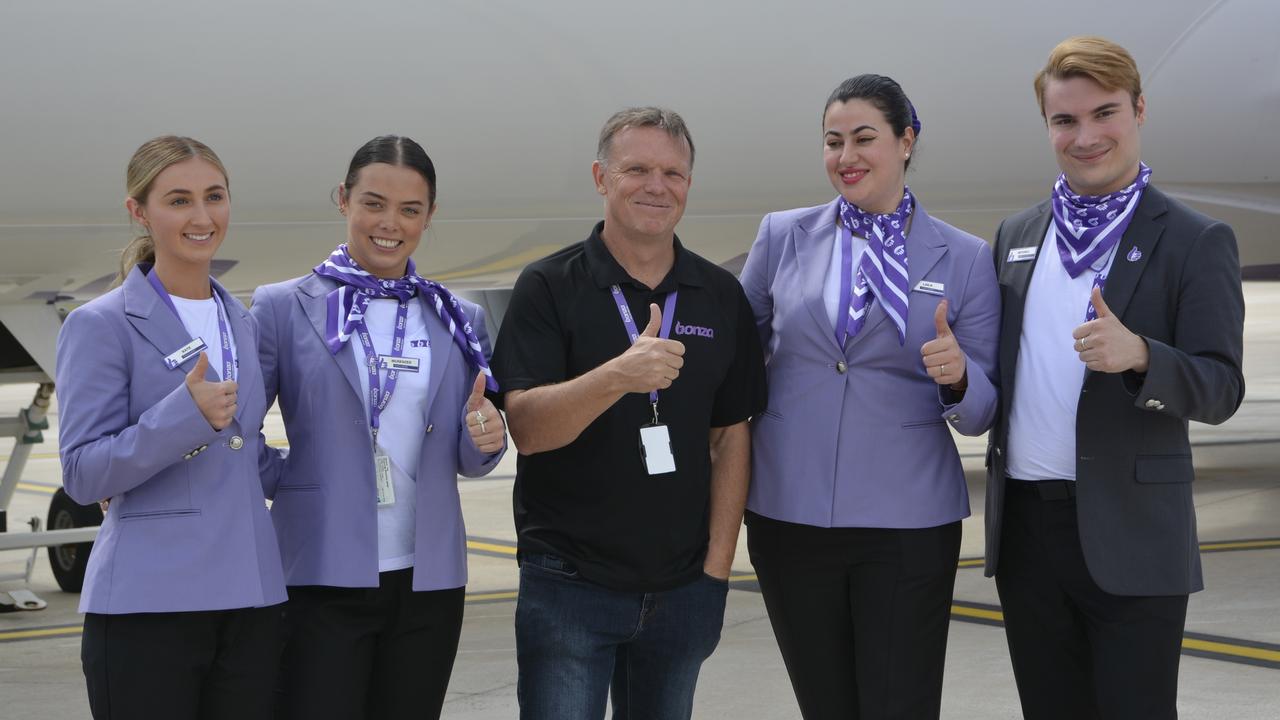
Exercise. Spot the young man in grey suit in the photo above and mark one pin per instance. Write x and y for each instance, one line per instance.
(1123, 319)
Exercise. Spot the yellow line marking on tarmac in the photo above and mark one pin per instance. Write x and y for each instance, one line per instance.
(976, 562)
(1222, 648)
(41, 633)
(509, 595)
(32, 487)
(1242, 545)
(978, 613)
(491, 547)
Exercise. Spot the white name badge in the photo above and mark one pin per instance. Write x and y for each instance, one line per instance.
(402, 364)
(932, 288)
(1022, 254)
(185, 353)
(382, 474)
(655, 450)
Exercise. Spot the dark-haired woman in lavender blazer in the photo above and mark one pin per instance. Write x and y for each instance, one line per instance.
(879, 325)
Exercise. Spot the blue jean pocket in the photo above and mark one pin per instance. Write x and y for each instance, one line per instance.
(549, 565)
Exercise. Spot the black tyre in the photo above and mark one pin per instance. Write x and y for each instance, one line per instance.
(69, 561)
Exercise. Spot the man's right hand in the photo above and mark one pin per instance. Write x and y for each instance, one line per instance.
(216, 400)
(651, 363)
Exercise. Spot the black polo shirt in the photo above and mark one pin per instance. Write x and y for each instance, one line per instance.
(592, 502)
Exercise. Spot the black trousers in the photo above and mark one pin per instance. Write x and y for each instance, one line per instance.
(1079, 652)
(860, 614)
(210, 665)
(379, 653)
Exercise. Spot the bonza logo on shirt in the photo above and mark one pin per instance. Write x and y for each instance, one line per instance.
(706, 332)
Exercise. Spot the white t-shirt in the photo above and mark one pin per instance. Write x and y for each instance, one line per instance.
(1042, 422)
(402, 425)
(200, 318)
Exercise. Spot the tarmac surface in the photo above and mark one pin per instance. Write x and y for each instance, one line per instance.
(1230, 664)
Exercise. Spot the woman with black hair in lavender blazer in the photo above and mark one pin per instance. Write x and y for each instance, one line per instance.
(879, 325)
(380, 374)
(160, 397)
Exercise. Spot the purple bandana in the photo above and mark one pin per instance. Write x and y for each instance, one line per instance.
(356, 287)
(1090, 226)
(882, 271)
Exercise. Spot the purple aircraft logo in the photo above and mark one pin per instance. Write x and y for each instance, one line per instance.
(706, 332)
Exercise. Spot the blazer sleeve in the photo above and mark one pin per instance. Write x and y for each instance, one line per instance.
(977, 329)
(270, 459)
(471, 461)
(757, 279)
(103, 452)
(1199, 376)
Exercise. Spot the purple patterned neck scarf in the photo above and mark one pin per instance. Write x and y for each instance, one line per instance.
(356, 287)
(883, 267)
(1089, 226)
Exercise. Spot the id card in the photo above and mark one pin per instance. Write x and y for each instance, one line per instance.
(402, 364)
(655, 449)
(382, 478)
(185, 353)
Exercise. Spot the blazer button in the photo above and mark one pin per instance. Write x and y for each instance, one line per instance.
(841, 367)
(953, 417)
(236, 442)
(430, 427)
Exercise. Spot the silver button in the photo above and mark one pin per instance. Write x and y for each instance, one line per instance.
(1153, 403)
(236, 442)
(430, 428)
(841, 367)
(188, 456)
(953, 417)
(998, 452)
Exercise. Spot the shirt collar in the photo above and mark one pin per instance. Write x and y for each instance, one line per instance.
(606, 271)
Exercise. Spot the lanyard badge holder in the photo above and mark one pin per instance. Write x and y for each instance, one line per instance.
(655, 440)
(379, 398)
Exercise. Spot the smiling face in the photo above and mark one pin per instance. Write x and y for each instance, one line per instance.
(645, 183)
(186, 211)
(1094, 132)
(387, 209)
(865, 161)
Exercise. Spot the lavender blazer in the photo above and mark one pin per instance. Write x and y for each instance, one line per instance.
(188, 527)
(324, 500)
(869, 447)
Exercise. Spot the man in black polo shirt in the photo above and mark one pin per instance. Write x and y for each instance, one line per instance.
(630, 367)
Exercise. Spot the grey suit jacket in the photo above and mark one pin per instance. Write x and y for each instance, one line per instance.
(1133, 465)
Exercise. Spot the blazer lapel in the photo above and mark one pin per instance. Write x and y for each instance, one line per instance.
(1017, 278)
(155, 322)
(313, 294)
(441, 347)
(1134, 250)
(813, 256)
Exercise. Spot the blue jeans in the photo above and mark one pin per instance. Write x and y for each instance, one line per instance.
(577, 641)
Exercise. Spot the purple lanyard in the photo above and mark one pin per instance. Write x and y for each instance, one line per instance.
(228, 359)
(668, 317)
(378, 397)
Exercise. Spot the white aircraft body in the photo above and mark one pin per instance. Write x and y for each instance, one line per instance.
(508, 98)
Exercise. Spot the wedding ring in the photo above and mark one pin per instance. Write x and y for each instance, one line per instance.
(480, 419)
(1084, 343)
(943, 370)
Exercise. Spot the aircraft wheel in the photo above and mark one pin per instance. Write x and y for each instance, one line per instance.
(69, 561)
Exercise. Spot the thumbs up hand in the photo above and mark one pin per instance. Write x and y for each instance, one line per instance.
(651, 363)
(1106, 345)
(216, 400)
(943, 358)
(484, 423)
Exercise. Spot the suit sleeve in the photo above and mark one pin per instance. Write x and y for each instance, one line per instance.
(471, 461)
(977, 329)
(103, 452)
(756, 279)
(1199, 377)
(270, 460)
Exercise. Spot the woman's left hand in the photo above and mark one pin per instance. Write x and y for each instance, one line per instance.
(943, 358)
(484, 422)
